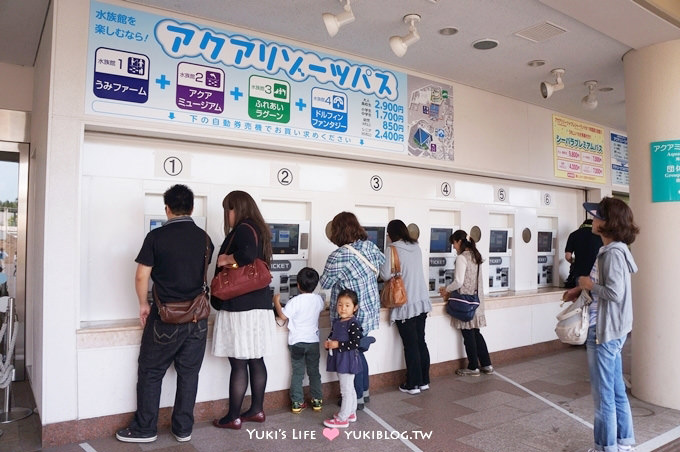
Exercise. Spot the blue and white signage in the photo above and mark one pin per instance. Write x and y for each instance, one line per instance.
(150, 67)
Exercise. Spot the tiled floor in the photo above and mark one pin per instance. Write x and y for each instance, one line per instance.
(541, 404)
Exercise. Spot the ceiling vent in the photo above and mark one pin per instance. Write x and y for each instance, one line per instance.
(541, 32)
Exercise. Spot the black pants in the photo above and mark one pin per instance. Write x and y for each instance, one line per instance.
(475, 348)
(416, 354)
(164, 344)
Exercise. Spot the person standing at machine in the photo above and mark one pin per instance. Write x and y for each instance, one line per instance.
(355, 265)
(244, 325)
(611, 319)
(468, 279)
(410, 318)
(174, 257)
(302, 313)
(581, 252)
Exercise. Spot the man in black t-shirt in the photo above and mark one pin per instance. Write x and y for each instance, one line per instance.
(173, 256)
(581, 252)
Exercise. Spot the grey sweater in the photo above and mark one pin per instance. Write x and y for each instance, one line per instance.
(411, 262)
(613, 291)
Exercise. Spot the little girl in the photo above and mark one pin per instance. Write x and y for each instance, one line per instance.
(343, 357)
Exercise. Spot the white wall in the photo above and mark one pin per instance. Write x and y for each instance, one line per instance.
(494, 136)
(17, 87)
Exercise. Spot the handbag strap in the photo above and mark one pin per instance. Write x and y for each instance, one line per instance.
(362, 257)
(396, 265)
(477, 282)
(206, 288)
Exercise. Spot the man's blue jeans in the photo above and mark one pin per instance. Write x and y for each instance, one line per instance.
(163, 344)
(613, 420)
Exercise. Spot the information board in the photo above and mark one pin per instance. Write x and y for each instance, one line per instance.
(578, 150)
(665, 167)
(150, 67)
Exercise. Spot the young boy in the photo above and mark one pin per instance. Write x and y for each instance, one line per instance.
(302, 313)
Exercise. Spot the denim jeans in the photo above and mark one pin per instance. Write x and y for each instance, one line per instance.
(416, 354)
(305, 355)
(361, 381)
(613, 423)
(162, 345)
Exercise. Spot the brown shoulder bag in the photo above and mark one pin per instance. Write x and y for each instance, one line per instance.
(393, 294)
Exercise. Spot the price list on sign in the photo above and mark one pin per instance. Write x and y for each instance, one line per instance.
(618, 145)
(578, 150)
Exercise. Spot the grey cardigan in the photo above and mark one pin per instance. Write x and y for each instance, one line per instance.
(411, 262)
(613, 292)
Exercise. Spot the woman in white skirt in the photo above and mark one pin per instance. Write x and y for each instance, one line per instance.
(244, 325)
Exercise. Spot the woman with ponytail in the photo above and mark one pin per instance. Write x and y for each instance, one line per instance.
(468, 279)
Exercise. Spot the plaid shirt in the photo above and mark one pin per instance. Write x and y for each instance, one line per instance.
(345, 270)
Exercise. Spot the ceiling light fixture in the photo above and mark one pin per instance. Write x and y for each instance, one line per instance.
(589, 102)
(547, 88)
(399, 44)
(333, 22)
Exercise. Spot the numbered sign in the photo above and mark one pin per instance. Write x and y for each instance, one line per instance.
(445, 190)
(172, 165)
(546, 198)
(376, 183)
(501, 194)
(284, 176)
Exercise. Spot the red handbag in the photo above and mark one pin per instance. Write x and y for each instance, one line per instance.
(232, 282)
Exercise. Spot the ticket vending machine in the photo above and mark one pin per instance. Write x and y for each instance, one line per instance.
(500, 253)
(290, 254)
(546, 258)
(442, 258)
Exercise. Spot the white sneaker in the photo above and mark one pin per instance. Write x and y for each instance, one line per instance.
(414, 390)
(424, 387)
(182, 439)
(468, 372)
(487, 369)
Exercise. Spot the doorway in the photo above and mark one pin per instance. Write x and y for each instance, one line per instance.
(13, 196)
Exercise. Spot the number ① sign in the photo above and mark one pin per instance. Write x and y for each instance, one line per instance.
(173, 166)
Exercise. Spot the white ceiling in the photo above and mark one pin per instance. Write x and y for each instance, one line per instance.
(598, 33)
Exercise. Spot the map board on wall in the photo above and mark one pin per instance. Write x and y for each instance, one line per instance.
(150, 67)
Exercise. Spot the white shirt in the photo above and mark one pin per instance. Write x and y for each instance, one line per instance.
(303, 318)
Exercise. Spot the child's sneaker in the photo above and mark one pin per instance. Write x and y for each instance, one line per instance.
(335, 423)
(352, 417)
(297, 407)
(317, 404)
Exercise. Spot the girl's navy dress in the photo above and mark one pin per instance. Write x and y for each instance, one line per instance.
(345, 359)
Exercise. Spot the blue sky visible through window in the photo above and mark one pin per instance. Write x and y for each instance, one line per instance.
(9, 181)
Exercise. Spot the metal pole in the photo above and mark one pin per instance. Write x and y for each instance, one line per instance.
(11, 414)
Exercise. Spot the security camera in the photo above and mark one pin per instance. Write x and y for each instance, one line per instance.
(547, 88)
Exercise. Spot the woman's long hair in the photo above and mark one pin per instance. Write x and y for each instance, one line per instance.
(397, 230)
(244, 207)
(466, 244)
(345, 229)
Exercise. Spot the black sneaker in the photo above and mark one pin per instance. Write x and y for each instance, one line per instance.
(128, 435)
(404, 388)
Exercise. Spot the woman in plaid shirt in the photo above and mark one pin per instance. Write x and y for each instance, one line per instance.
(354, 265)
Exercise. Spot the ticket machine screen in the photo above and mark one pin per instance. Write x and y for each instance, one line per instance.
(156, 223)
(284, 238)
(544, 242)
(498, 241)
(439, 240)
(376, 234)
